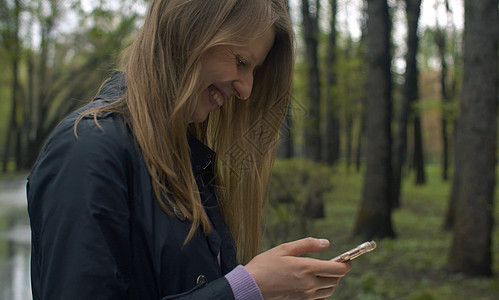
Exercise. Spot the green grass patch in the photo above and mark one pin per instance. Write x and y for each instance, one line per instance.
(411, 266)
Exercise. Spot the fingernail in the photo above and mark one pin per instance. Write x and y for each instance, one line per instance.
(323, 242)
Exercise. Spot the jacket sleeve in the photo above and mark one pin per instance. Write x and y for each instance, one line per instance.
(78, 208)
(218, 289)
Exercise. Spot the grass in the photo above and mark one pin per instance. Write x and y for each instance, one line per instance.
(411, 266)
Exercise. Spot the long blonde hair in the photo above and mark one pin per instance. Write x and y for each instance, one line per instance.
(162, 70)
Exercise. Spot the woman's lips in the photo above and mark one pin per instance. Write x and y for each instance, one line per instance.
(216, 95)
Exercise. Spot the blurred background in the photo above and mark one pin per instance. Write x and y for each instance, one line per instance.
(391, 134)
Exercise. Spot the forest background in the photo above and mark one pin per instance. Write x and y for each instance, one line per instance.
(391, 134)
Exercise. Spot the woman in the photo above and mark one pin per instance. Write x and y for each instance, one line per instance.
(127, 201)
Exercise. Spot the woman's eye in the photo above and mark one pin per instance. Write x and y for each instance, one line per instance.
(240, 62)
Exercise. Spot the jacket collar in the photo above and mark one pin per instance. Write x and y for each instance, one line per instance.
(113, 88)
(202, 156)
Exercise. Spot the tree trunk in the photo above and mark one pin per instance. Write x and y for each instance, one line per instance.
(331, 151)
(13, 133)
(448, 94)
(32, 111)
(449, 116)
(440, 39)
(374, 217)
(411, 90)
(349, 140)
(285, 148)
(450, 216)
(410, 93)
(360, 139)
(311, 35)
(362, 48)
(476, 141)
(42, 80)
(418, 149)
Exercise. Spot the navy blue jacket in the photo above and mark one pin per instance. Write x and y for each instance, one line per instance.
(97, 229)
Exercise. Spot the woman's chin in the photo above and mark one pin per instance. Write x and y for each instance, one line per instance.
(198, 117)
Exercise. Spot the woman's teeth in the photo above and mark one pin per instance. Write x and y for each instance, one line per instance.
(217, 97)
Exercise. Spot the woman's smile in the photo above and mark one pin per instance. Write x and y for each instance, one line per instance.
(216, 96)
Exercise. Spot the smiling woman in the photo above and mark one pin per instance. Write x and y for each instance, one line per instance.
(226, 72)
(128, 200)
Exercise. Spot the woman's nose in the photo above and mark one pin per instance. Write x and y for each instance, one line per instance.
(243, 85)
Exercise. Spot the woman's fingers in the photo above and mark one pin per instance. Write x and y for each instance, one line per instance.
(327, 282)
(282, 273)
(324, 293)
(303, 246)
(333, 268)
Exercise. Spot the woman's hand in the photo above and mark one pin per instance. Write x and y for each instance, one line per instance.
(281, 274)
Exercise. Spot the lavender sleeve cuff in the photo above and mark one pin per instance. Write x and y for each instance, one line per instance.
(243, 284)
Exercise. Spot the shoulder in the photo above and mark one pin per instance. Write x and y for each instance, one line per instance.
(108, 128)
(106, 139)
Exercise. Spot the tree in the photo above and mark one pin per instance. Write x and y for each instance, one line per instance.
(9, 31)
(310, 14)
(448, 110)
(50, 73)
(39, 65)
(410, 95)
(331, 149)
(374, 217)
(440, 37)
(351, 93)
(351, 86)
(476, 146)
(362, 52)
(418, 158)
(418, 155)
(59, 86)
(285, 147)
(10, 37)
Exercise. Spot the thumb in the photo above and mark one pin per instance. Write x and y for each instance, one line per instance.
(306, 245)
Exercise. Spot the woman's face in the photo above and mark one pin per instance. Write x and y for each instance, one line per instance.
(228, 71)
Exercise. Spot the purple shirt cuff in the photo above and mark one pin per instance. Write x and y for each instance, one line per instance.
(243, 284)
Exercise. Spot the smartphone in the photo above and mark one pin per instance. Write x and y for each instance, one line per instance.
(356, 252)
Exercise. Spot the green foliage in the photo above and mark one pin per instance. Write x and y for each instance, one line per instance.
(345, 98)
(58, 72)
(297, 180)
(413, 266)
(295, 184)
(4, 110)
